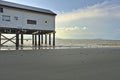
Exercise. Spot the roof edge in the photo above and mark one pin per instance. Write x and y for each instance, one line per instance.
(26, 7)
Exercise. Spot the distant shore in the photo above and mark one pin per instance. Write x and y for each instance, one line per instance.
(60, 64)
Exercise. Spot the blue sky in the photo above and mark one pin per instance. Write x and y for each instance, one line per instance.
(83, 19)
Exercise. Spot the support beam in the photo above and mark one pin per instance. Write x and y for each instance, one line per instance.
(0, 38)
(35, 39)
(45, 38)
(32, 39)
(21, 39)
(7, 39)
(53, 38)
(38, 39)
(41, 38)
(49, 39)
(17, 40)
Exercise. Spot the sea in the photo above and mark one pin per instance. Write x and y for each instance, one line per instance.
(64, 44)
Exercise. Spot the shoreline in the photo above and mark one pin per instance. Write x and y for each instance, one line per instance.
(2, 48)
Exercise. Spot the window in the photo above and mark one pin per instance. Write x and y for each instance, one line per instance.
(32, 22)
(16, 18)
(1, 10)
(5, 18)
(45, 21)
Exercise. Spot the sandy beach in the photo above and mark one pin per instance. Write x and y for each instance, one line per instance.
(61, 64)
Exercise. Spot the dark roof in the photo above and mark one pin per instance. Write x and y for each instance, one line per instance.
(20, 6)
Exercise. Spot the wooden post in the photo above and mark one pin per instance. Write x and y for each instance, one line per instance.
(21, 39)
(35, 39)
(0, 38)
(39, 39)
(17, 40)
(32, 39)
(45, 38)
(53, 38)
(49, 39)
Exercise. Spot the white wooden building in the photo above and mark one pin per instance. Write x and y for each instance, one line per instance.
(21, 19)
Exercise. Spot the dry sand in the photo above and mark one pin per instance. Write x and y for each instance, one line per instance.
(62, 64)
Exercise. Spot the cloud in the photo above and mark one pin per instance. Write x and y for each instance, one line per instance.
(67, 32)
(104, 9)
(68, 28)
(75, 28)
(84, 28)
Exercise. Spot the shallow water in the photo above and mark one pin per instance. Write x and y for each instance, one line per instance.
(65, 44)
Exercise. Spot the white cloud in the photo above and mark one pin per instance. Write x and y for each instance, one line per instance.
(75, 28)
(68, 28)
(67, 32)
(99, 10)
(84, 28)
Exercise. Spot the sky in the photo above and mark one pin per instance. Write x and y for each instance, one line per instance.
(82, 19)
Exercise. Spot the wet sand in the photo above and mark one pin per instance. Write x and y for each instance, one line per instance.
(61, 64)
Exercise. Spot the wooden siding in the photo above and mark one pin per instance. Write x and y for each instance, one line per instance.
(23, 16)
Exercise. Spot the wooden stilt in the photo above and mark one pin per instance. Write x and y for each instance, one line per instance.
(32, 39)
(17, 40)
(0, 38)
(54, 39)
(41, 38)
(21, 39)
(45, 38)
(49, 39)
(35, 40)
(38, 39)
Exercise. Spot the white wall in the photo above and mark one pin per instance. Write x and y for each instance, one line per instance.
(23, 15)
